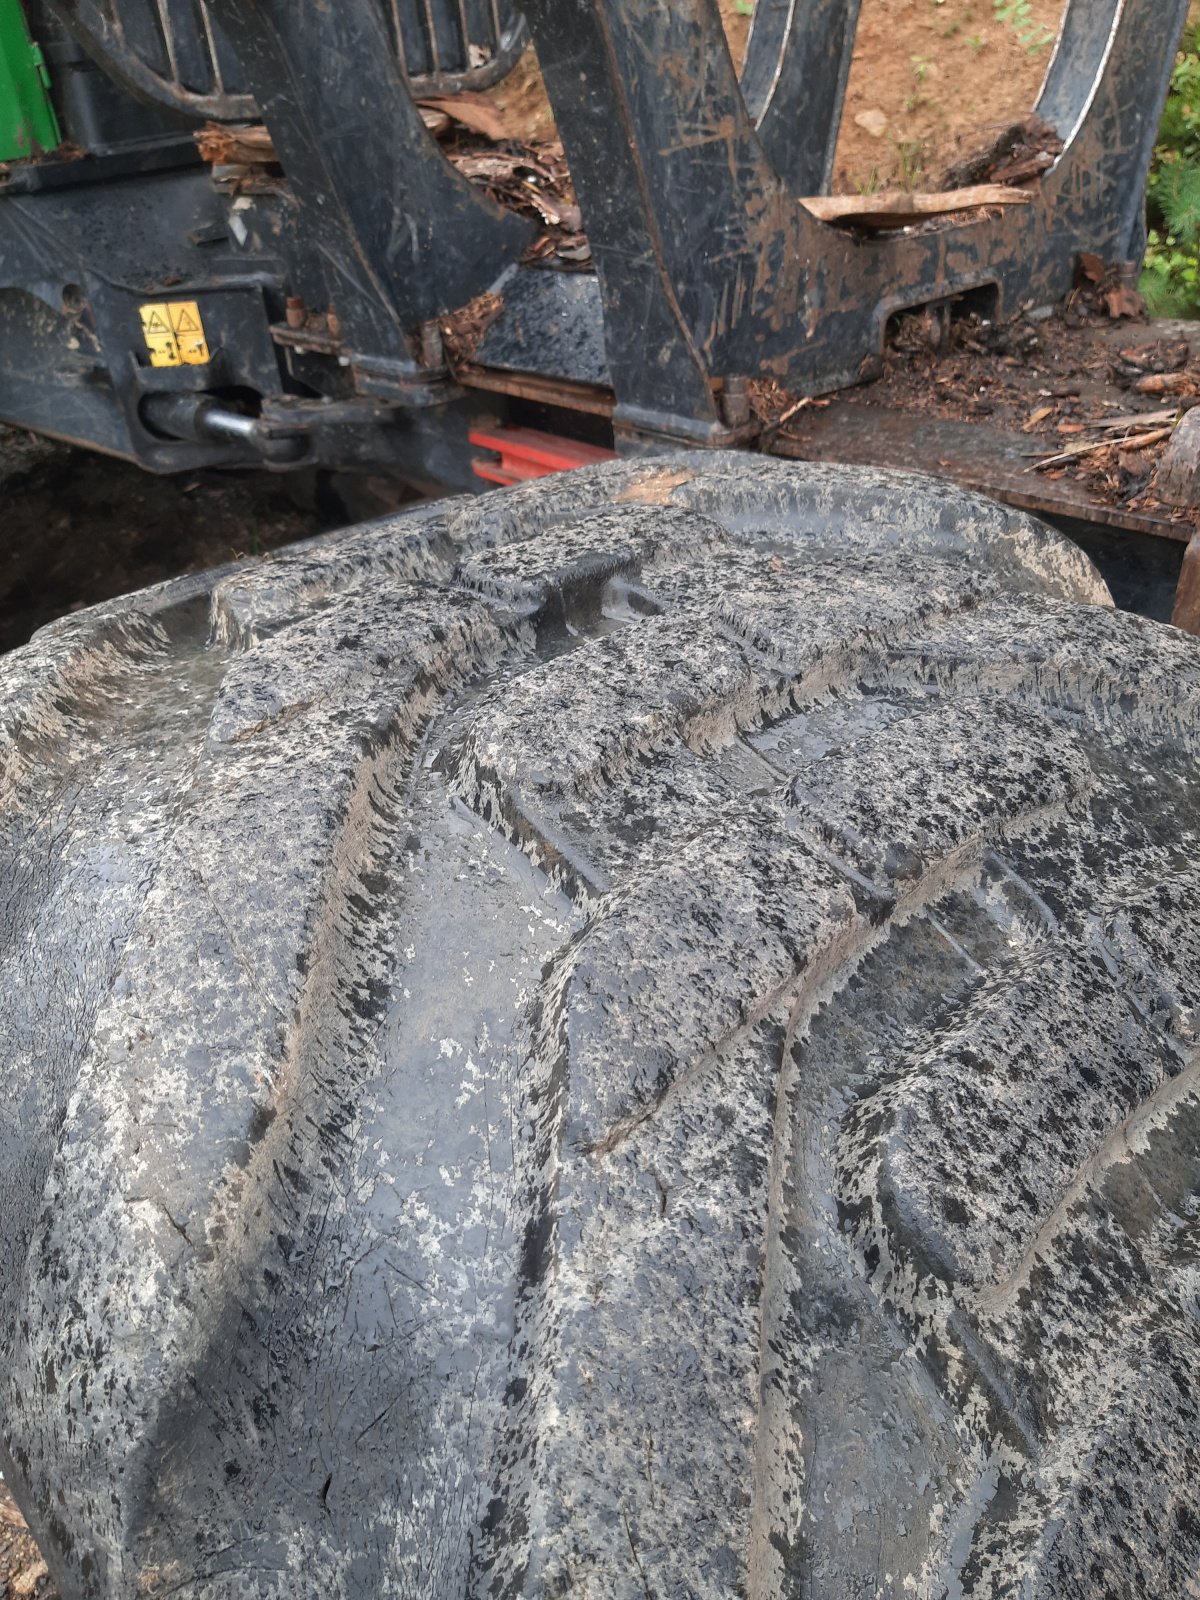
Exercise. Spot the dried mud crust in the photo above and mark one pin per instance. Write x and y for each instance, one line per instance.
(633, 1037)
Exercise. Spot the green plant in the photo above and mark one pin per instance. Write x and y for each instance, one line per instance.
(1171, 277)
(912, 162)
(1018, 15)
(976, 41)
(920, 66)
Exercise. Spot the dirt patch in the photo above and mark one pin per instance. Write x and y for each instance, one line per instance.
(929, 77)
(1070, 397)
(737, 15)
(930, 81)
(23, 1573)
(523, 103)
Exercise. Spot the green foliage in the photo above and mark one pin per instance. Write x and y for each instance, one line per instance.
(1179, 134)
(1171, 279)
(920, 66)
(1175, 195)
(911, 154)
(1018, 15)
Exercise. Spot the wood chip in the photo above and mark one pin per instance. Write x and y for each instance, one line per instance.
(895, 208)
(1123, 301)
(547, 206)
(1137, 419)
(1165, 383)
(1139, 441)
(474, 111)
(1016, 153)
(438, 123)
(772, 431)
(495, 168)
(656, 488)
(27, 1581)
(233, 145)
(800, 405)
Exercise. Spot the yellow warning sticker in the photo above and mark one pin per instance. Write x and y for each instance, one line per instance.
(174, 334)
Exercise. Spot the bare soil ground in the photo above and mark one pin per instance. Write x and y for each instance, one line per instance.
(940, 73)
(929, 81)
(23, 1574)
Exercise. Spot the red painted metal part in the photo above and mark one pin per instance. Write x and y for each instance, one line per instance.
(525, 453)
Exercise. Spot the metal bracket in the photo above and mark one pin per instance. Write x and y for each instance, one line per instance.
(709, 263)
(181, 56)
(403, 236)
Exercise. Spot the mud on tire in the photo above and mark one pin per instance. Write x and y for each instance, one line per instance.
(632, 1037)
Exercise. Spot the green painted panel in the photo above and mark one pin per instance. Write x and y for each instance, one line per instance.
(27, 121)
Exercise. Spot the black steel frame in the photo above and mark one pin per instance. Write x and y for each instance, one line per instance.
(179, 55)
(705, 253)
(709, 267)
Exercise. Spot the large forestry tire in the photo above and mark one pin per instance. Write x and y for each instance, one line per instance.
(633, 1037)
